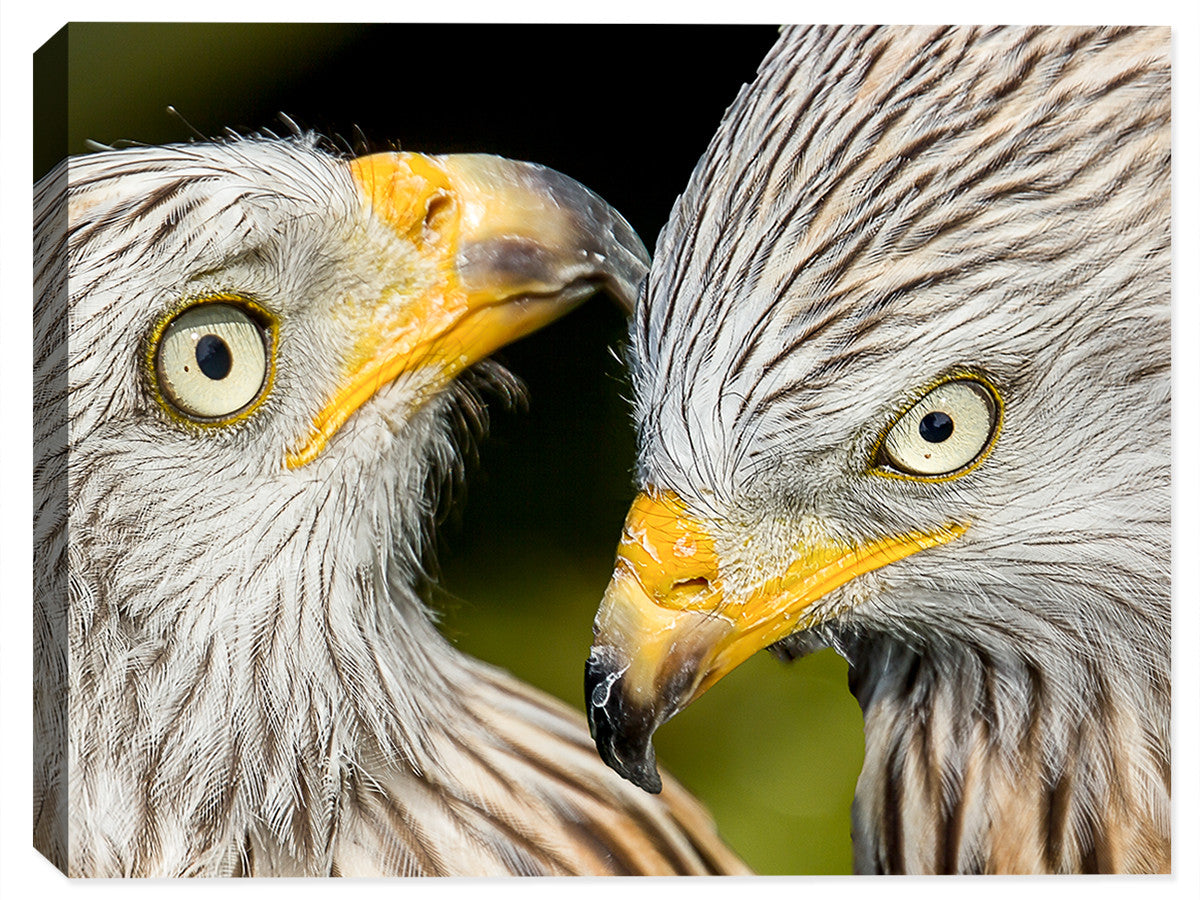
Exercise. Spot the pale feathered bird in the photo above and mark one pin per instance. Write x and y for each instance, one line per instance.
(246, 407)
(902, 379)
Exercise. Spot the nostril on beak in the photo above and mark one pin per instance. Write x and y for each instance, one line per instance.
(685, 592)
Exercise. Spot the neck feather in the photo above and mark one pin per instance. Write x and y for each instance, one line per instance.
(275, 699)
(980, 762)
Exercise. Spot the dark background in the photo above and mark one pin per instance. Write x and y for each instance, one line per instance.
(627, 110)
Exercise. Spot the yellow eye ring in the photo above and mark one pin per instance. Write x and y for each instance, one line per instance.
(210, 361)
(944, 434)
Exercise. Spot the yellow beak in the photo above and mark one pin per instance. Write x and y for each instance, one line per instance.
(667, 628)
(494, 250)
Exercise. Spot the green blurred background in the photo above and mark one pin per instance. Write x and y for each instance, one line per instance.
(773, 750)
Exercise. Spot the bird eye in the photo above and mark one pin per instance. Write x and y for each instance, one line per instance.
(947, 430)
(212, 361)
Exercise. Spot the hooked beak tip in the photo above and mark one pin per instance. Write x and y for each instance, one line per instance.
(621, 729)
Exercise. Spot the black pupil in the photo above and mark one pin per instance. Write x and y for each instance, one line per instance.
(214, 358)
(936, 427)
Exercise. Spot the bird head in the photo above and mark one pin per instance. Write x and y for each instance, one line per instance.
(901, 369)
(257, 343)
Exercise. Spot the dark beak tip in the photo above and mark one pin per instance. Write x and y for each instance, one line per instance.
(646, 776)
(622, 734)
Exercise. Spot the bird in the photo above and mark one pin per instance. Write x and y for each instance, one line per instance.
(257, 360)
(901, 387)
